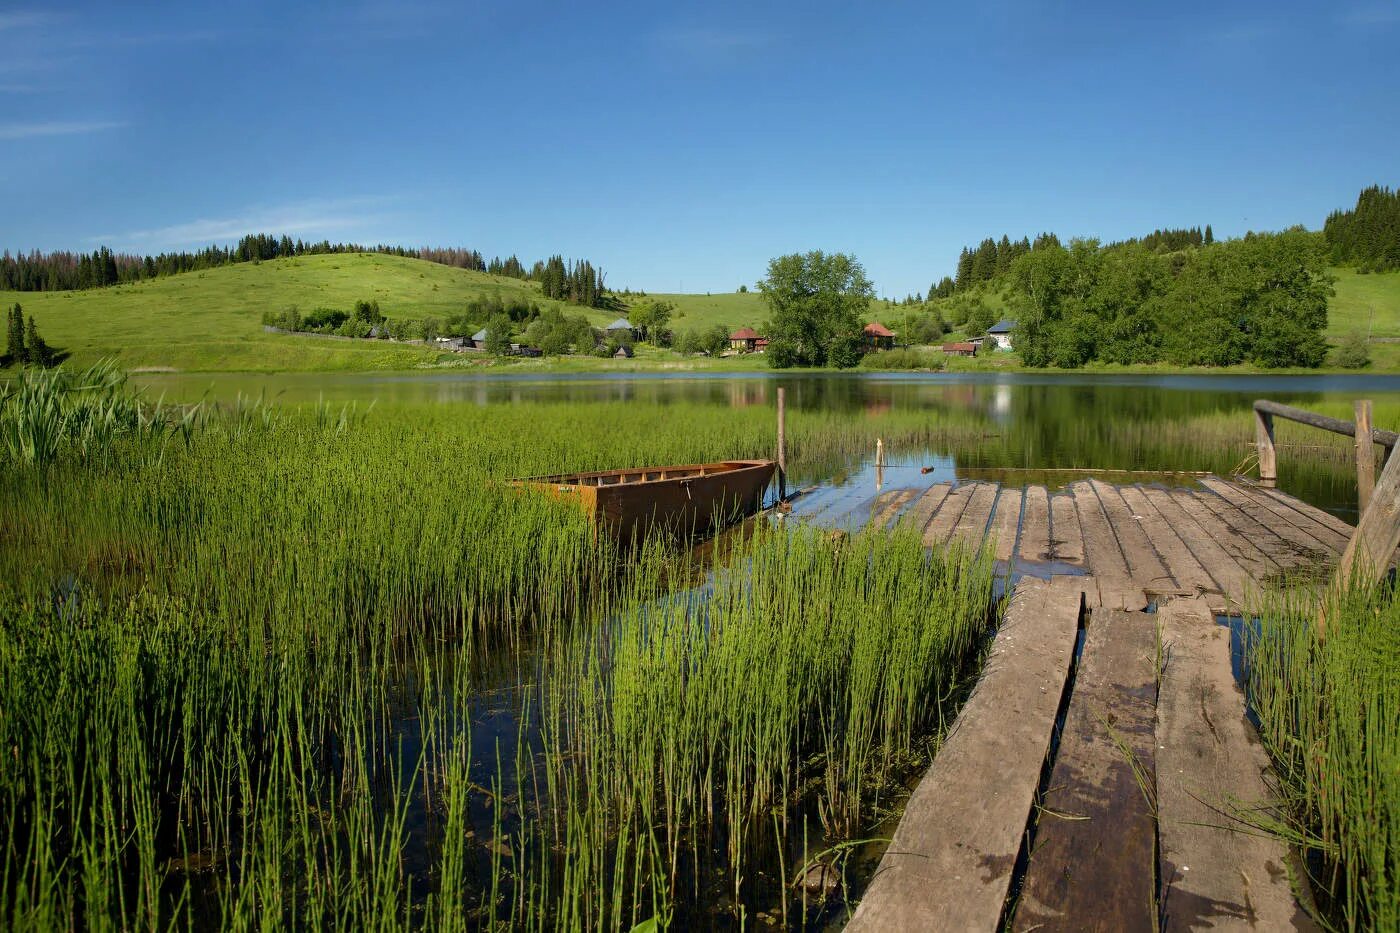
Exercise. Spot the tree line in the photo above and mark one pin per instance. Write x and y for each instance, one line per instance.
(1368, 235)
(579, 282)
(1261, 299)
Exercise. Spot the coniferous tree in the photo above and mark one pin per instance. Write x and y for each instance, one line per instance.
(15, 351)
(964, 273)
(1209, 236)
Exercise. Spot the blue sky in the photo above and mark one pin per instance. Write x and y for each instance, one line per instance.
(681, 146)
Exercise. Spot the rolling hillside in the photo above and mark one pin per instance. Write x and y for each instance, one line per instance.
(212, 320)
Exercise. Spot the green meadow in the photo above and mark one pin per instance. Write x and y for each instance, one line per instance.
(211, 321)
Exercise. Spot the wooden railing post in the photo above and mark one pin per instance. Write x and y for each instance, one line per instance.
(782, 444)
(1365, 455)
(1264, 437)
(1377, 535)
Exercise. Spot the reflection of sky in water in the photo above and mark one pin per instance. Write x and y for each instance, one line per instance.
(996, 420)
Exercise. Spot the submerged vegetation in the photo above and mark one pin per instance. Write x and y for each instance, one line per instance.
(321, 667)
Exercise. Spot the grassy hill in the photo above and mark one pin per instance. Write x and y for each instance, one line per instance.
(731, 309)
(212, 320)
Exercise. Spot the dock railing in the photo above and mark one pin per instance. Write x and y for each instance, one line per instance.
(1373, 544)
(1366, 436)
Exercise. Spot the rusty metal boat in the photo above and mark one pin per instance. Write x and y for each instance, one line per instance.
(687, 500)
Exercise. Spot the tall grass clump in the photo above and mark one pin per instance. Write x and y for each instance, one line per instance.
(303, 668)
(49, 413)
(1329, 711)
(700, 734)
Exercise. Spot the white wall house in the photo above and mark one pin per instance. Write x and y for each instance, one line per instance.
(1000, 333)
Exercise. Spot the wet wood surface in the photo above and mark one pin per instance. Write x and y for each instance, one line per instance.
(1217, 869)
(1095, 831)
(1132, 769)
(950, 862)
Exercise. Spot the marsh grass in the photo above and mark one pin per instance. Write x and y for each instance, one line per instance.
(1329, 713)
(317, 667)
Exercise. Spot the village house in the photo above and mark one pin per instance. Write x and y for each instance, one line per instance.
(624, 352)
(621, 326)
(479, 339)
(960, 349)
(1000, 333)
(878, 336)
(745, 340)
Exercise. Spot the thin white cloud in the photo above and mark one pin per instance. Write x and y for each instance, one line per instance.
(327, 218)
(20, 19)
(707, 43)
(55, 128)
(1374, 14)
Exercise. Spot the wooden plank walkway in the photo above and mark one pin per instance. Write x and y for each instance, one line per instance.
(1118, 787)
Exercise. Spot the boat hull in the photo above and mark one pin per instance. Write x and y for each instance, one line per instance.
(686, 500)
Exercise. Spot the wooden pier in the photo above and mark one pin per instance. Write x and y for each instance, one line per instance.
(1103, 775)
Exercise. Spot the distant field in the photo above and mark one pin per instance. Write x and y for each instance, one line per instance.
(1365, 303)
(731, 309)
(212, 320)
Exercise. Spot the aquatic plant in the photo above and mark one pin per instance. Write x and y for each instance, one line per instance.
(1329, 712)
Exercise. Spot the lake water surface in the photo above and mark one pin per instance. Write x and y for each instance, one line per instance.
(1028, 421)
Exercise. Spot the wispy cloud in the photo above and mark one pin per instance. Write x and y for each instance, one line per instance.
(706, 43)
(1373, 14)
(20, 19)
(322, 218)
(55, 128)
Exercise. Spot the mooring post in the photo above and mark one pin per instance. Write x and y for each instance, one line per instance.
(1264, 437)
(782, 444)
(1365, 455)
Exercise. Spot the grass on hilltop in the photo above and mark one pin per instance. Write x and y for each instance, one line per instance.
(212, 320)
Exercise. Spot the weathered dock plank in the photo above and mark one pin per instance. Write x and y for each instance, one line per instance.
(1006, 523)
(1190, 576)
(1306, 549)
(1067, 538)
(1255, 562)
(896, 501)
(1222, 565)
(1326, 519)
(1035, 525)
(1145, 567)
(1281, 552)
(971, 528)
(921, 512)
(946, 518)
(950, 862)
(1217, 872)
(1325, 534)
(1102, 553)
(1091, 867)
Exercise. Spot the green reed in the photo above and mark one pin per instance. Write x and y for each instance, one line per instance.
(1330, 715)
(239, 673)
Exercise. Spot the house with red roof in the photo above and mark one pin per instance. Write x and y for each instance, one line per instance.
(746, 340)
(878, 336)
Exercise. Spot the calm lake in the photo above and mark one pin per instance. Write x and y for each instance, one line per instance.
(1027, 421)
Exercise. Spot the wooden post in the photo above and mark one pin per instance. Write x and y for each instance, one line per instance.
(1372, 545)
(782, 444)
(1268, 459)
(1365, 455)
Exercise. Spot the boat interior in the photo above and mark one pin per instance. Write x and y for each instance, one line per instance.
(648, 474)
